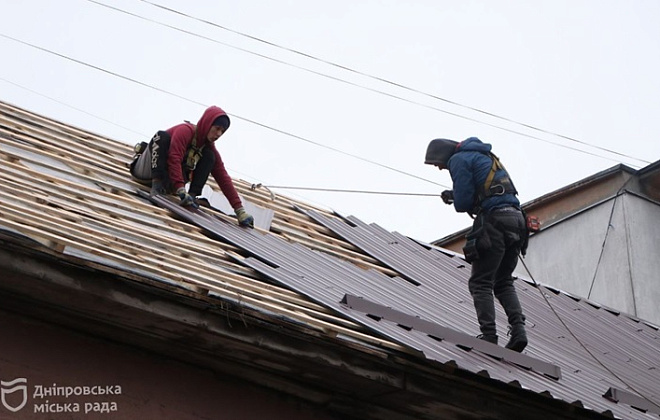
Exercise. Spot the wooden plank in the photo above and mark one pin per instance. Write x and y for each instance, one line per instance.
(301, 314)
(160, 262)
(313, 319)
(303, 224)
(370, 264)
(66, 190)
(72, 131)
(69, 214)
(56, 223)
(74, 159)
(355, 258)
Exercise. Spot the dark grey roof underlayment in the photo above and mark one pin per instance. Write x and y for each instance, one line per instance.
(428, 308)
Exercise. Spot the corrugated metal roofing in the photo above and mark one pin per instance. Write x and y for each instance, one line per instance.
(328, 280)
(74, 196)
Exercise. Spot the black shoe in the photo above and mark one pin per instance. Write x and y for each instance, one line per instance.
(518, 340)
(491, 338)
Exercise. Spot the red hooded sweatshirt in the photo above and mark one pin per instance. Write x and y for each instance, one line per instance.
(182, 137)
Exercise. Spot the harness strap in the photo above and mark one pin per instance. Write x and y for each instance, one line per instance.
(194, 153)
(504, 185)
(489, 179)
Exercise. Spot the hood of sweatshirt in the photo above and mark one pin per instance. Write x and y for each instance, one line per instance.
(473, 144)
(204, 124)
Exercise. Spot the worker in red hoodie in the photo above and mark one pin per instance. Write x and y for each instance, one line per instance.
(187, 153)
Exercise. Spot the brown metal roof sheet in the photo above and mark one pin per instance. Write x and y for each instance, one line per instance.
(565, 333)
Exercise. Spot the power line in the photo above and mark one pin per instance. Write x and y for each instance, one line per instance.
(254, 186)
(204, 105)
(454, 114)
(389, 82)
(72, 107)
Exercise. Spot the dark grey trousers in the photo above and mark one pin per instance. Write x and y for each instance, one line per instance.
(492, 271)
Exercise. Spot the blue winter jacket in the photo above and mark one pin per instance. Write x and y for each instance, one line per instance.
(469, 167)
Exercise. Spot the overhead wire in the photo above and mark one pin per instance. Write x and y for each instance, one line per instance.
(360, 86)
(247, 119)
(389, 82)
(284, 187)
(114, 74)
(608, 229)
(250, 120)
(269, 127)
(71, 106)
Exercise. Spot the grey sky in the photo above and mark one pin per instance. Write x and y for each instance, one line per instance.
(587, 70)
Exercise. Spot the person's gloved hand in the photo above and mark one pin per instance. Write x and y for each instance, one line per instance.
(157, 187)
(244, 219)
(447, 196)
(186, 199)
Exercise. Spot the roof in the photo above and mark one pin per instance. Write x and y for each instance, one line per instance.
(67, 193)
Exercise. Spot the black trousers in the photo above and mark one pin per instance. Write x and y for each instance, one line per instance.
(506, 233)
(159, 148)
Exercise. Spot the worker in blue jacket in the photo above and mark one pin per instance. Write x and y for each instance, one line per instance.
(483, 189)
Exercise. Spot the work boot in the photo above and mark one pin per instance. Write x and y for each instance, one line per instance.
(491, 338)
(518, 340)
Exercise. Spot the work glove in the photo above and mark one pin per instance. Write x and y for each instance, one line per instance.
(186, 199)
(447, 196)
(244, 219)
(157, 187)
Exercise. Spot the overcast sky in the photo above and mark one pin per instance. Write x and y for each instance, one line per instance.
(383, 79)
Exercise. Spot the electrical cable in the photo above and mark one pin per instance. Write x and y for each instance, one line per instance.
(454, 114)
(204, 105)
(386, 81)
(607, 232)
(593, 356)
(602, 248)
(72, 107)
(346, 191)
(254, 185)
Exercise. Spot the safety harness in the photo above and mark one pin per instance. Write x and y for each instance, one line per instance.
(504, 184)
(194, 153)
